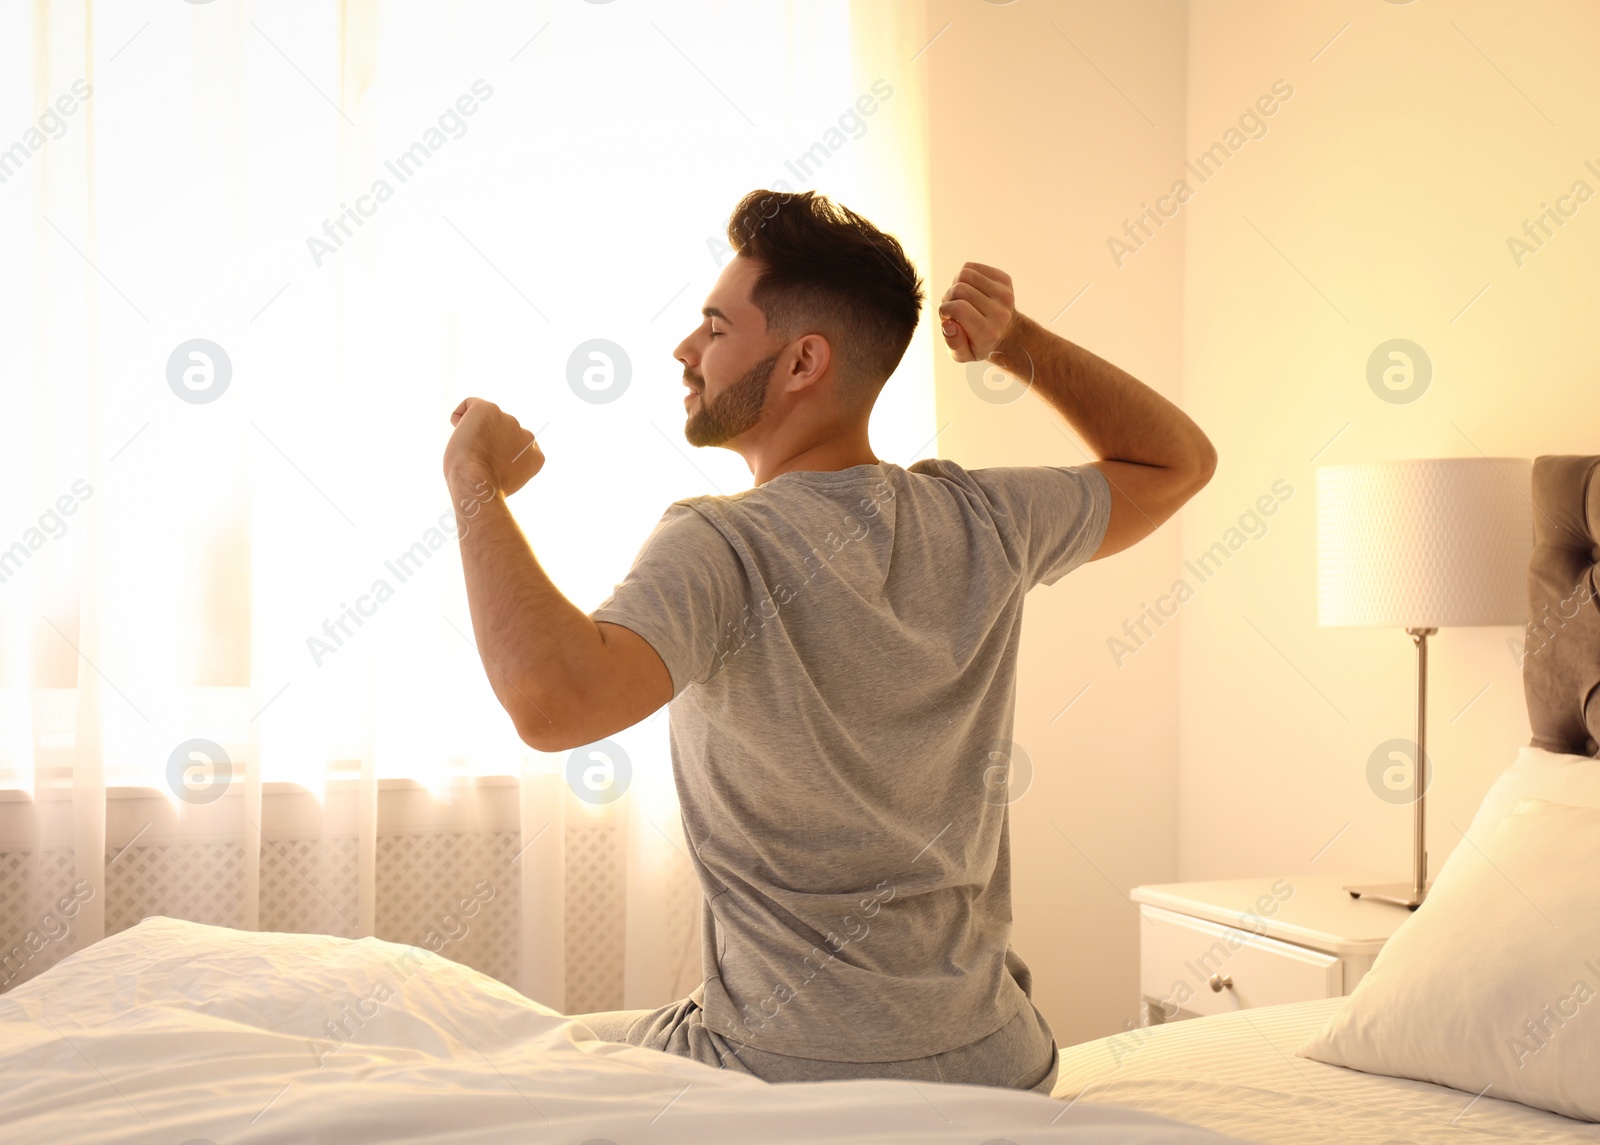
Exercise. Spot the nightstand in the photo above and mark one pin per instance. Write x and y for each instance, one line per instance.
(1210, 948)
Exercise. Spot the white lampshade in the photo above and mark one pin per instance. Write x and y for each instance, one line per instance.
(1424, 544)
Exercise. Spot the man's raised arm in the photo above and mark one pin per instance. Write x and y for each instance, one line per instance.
(1154, 457)
(564, 678)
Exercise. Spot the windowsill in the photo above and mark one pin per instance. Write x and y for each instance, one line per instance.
(16, 795)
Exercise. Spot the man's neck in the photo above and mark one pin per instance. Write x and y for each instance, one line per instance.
(836, 453)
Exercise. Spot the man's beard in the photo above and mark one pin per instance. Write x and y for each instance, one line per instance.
(734, 410)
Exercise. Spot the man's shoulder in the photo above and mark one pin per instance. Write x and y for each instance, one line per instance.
(944, 467)
(936, 467)
(688, 522)
(702, 530)
(943, 471)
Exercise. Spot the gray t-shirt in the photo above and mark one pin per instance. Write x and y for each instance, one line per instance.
(843, 648)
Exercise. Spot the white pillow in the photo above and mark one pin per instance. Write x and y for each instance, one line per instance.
(1536, 774)
(1493, 985)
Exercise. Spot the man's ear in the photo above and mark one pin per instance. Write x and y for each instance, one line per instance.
(812, 356)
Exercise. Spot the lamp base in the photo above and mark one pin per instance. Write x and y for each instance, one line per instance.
(1401, 894)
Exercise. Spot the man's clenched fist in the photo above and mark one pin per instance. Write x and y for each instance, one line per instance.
(977, 311)
(490, 445)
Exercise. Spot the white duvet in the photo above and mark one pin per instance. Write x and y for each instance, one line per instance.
(174, 1032)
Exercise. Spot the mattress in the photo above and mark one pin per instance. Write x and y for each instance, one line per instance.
(174, 1031)
(1238, 1074)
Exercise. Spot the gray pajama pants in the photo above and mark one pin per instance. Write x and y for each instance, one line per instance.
(1021, 1054)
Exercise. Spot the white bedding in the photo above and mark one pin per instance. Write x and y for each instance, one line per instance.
(1238, 1073)
(172, 1032)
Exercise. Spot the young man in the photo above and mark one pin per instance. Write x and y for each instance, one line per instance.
(839, 647)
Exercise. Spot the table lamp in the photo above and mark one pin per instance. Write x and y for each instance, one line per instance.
(1423, 545)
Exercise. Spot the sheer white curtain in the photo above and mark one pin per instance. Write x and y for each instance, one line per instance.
(254, 254)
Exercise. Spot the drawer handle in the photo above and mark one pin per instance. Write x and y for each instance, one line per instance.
(1220, 982)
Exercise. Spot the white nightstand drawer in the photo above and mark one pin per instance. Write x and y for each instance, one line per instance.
(1179, 956)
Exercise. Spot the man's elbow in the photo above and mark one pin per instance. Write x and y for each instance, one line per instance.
(540, 723)
(1204, 467)
(543, 735)
(1182, 482)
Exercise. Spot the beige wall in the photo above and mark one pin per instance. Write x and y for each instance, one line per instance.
(1035, 158)
(1390, 183)
(1374, 202)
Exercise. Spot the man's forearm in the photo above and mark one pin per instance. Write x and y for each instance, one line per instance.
(1119, 417)
(529, 635)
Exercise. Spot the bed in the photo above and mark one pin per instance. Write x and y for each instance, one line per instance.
(180, 1033)
(1239, 1073)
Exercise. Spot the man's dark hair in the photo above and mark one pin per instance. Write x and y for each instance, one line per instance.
(826, 269)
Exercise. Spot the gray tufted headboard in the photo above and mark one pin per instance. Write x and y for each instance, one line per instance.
(1561, 658)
